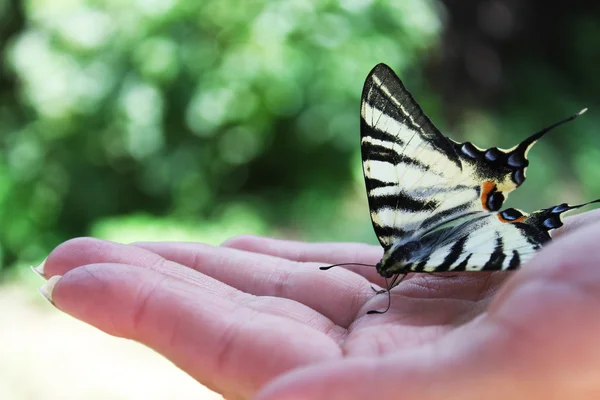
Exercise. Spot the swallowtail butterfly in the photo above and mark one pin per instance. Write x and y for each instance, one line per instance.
(436, 203)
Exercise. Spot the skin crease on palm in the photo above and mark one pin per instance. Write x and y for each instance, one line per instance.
(256, 318)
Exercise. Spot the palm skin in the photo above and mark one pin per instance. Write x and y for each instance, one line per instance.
(256, 318)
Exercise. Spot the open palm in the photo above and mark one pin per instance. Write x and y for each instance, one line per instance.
(236, 317)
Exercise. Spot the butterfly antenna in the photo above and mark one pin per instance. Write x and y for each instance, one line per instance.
(342, 264)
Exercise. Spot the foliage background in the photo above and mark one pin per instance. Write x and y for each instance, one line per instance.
(199, 120)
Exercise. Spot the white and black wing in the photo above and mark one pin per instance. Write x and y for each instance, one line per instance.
(417, 179)
(498, 241)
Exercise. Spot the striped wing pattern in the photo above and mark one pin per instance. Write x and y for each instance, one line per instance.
(434, 202)
(409, 166)
(488, 243)
(499, 241)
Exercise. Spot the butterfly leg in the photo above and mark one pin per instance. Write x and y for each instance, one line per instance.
(378, 291)
(395, 282)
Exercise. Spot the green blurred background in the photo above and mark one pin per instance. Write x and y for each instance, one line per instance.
(199, 120)
(205, 119)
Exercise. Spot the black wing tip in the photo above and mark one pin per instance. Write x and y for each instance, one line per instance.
(383, 74)
(383, 71)
(573, 207)
(381, 67)
(565, 207)
(550, 218)
(572, 117)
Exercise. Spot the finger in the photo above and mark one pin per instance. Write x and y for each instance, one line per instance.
(224, 345)
(327, 253)
(82, 251)
(414, 376)
(354, 298)
(561, 259)
(338, 297)
(407, 376)
(537, 342)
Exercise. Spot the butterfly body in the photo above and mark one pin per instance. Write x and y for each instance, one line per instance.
(435, 203)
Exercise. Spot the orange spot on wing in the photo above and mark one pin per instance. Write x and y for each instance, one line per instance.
(486, 188)
(504, 220)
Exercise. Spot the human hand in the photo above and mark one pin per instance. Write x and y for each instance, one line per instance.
(256, 317)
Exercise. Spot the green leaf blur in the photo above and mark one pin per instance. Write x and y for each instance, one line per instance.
(200, 120)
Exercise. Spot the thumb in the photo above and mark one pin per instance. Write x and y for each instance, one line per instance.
(537, 340)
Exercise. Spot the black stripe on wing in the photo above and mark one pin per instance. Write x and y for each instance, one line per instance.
(381, 153)
(420, 267)
(376, 184)
(387, 231)
(534, 235)
(515, 261)
(463, 265)
(400, 201)
(384, 91)
(497, 257)
(376, 152)
(455, 252)
(376, 133)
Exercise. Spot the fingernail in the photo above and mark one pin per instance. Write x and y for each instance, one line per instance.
(48, 287)
(40, 269)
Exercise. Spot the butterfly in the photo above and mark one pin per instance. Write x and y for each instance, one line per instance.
(435, 203)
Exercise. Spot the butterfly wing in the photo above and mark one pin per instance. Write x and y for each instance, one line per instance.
(497, 241)
(418, 179)
(407, 162)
